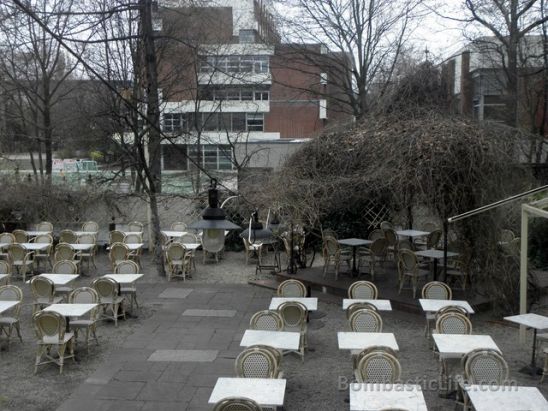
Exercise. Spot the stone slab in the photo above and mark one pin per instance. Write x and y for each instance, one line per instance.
(184, 355)
(179, 293)
(209, 313)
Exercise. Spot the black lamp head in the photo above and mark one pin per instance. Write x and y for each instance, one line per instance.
(213, 216)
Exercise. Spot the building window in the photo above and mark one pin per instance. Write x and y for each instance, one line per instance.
(255, 121)
(247, 36)
(262, 95)
(174, 122)
(212, 156)
(235, 64)
(246, 95)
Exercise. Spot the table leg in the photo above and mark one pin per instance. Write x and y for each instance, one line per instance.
(435, 269)
(354, 270)
(532, 368)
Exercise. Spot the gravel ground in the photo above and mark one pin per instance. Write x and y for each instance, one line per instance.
(311, 386)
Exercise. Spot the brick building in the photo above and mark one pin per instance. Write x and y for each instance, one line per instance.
(230, 87)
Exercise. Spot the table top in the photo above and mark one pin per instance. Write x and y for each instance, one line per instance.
(124, 278)
(32, 233)
(431, 305)
(435, 254)
(506, 398)
(264, 391)
(82, 247)
(6, 305)
(281, 340)
(412, 233)
(133, 247)
(59, 279)
(79, 233)
(71, 310)
(2, 276)
(530, 320)
(4, 245)
(354, 242)
(35, 246)
(456, 345)
(370, 397)
(361, 341)
(382, 305)
(191, 246)
(173, 233)
(311, 304)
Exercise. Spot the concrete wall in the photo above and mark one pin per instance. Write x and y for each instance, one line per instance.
(268, 154)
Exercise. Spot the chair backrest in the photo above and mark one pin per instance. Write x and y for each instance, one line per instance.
(331, 247)
(91, 226)
(375, 348)
(407, 260)
(453, 323)
(7, 238)
(378, 247)
(366, 321)
(405, 245)
(44, 226)
(365, 290)
(16, 252)
(105, 287)
(87, 239)
(127, 267)
(352, 308)
(237, 404)
(133, 239)
(42, 287)
(376, 233)
(451, 309)
(175, 252)
(255, 362)
(266, 320)
(188, 238)
(213, 241)
(178, 226)
(83, 295)
(276, 355)
(436, 290)
(293, 314)
(118, 252)
(65, 267)
(329, 233)
(507, 236)
(44, 239)
(5, 268)
(484, 366)
(116, 236)
(378, 367)
(10, 293)
(64, 251)
(385, 225)
(20, 236)
(68, 236)
(291, 288)
(49, 324)
(391, 236)
(433, 239)
(135, 226)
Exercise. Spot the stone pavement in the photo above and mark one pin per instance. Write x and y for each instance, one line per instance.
(173, 361)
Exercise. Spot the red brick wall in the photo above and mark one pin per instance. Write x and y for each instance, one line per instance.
(294, 120)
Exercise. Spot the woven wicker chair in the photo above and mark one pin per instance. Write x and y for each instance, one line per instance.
(292, 288)
(110, 301)
(256, 362)
(88, 255)
(118, 252)
(352, 308)
(179, 261)
(357, 356)
(378, 367)
(386, 225)
(6, 238)
(44, 226)
(453, 323)
(294, 316)
(50, 329)
(376, 233)
(20, 260)
(274, 353)
(5, 268)
(116, 236)
(267, 320)
(68, 236)
(46, 254)
(332, 253)
(64, 267)
(545, 369)
(135, 226)
(213, 242)
(20, 236)
(408, 268)
(435, 290)
(366, 320)
(375, 254)
(10, 319)
(251, 250)
(178, 226)
(84, 295)
(393, 240)
(365, 290)
(90, 226)
(128, 267)
(460, 269)
(43, 293)
(237, 404)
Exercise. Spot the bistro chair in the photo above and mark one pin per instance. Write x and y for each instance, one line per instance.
(213, 242)
(386, 225)
(329, 233)
(44, 226)
(110, 301)
(256, 362)
(294, 315)
(20, 236)
(408, 268)
(364, 290)
(453, 323)
(545, 369)
(118, 252)
(68, 236)
(434, 290)
(392, 238)
(332, 253)
(178, 226)
(128, 267)
(251, 250)
(44, 255)
(10, 319)
(376, 233)
(5, 268)
(134, 239)
(372, 255)
(51, 332)
(376, 348)
(365, 321)
(237, 404)
(274, 353)
(352, 308)
(88, 255)
(135, 226)
(43, 293)
(66, 252)
(506, 236)
(460, 270)
(178, 260)
(6, 238)
(378, 367)
(267, 320)
(64, 267)
(20, 260)
(190, 238)
(85, 295)
(291, 288)
(90, 226)
(116, 236)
